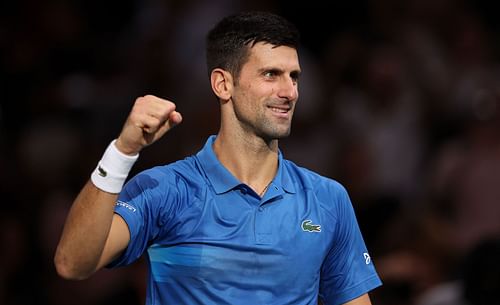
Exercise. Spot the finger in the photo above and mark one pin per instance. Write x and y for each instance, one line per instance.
(161, 110)
(154, 106)
(174, 119)
(148, 123)
(152, 124)
(168, 121)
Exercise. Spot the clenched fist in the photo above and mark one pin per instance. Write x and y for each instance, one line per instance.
(150, 118)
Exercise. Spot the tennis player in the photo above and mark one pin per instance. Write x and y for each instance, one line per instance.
(236, 223)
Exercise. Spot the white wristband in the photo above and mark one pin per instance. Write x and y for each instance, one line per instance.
(113, 169)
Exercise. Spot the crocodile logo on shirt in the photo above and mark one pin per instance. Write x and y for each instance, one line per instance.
(307, 226)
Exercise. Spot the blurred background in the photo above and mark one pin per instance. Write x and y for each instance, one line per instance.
(399, 102)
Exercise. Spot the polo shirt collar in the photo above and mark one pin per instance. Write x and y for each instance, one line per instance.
(223, 181)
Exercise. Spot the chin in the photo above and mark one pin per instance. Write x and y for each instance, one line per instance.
(276, 135)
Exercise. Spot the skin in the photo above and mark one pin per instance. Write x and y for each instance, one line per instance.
(91, 220)
(256, 111)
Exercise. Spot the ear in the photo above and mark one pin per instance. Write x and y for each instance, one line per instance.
(222, 84)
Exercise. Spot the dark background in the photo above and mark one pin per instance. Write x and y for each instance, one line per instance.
(399, 102)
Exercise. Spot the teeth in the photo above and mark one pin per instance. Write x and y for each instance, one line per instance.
(279, 110)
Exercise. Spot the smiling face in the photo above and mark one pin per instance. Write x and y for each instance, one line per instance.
(265, 93)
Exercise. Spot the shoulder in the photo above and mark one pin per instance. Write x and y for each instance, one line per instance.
(329, 195)
(182, 168)
(309, 180)
(175, 176)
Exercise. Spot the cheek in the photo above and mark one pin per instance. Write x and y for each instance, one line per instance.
(263, 91)
(254, 95)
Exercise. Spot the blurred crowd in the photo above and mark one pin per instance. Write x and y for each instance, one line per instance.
(400, 102)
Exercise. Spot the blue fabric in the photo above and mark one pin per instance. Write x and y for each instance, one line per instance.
(211, 239)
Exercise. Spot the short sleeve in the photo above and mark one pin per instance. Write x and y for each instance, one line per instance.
(140, 204)
(348, 271)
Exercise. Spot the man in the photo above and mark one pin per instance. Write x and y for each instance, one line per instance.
(236, 223)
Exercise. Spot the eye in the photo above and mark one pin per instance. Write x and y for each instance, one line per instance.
(270, 74)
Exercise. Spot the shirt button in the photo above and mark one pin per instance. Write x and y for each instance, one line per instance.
(243, 191)
(261, 209)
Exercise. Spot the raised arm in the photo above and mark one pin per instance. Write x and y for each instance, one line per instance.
(93, 235)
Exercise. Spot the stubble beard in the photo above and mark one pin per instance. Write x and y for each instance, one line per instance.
(270, 130)
(262, 125)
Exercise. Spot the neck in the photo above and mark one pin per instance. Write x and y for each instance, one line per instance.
(251, 160)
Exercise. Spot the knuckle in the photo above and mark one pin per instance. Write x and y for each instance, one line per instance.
(153, 122)
(133, 117)
(140, 99)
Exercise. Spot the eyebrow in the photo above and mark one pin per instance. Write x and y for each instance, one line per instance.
(294, 73)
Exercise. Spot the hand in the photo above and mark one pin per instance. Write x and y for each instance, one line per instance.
(150, 118)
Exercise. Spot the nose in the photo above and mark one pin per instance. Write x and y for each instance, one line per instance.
(288, 89)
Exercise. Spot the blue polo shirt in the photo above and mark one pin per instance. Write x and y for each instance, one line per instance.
(210, 239)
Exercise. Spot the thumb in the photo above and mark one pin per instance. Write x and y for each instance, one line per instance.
(174, 119)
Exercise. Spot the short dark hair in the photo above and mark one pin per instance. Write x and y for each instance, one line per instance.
(228, 43)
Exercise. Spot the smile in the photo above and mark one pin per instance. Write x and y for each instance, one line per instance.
(279, 110)
(282, 112)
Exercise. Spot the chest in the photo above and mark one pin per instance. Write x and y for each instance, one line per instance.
(239, 236)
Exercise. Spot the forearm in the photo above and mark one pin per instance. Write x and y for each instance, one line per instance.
(92, 236)
(85, 233)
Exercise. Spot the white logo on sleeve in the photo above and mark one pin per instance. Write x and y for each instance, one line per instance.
(367, 258)
(126, 205)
